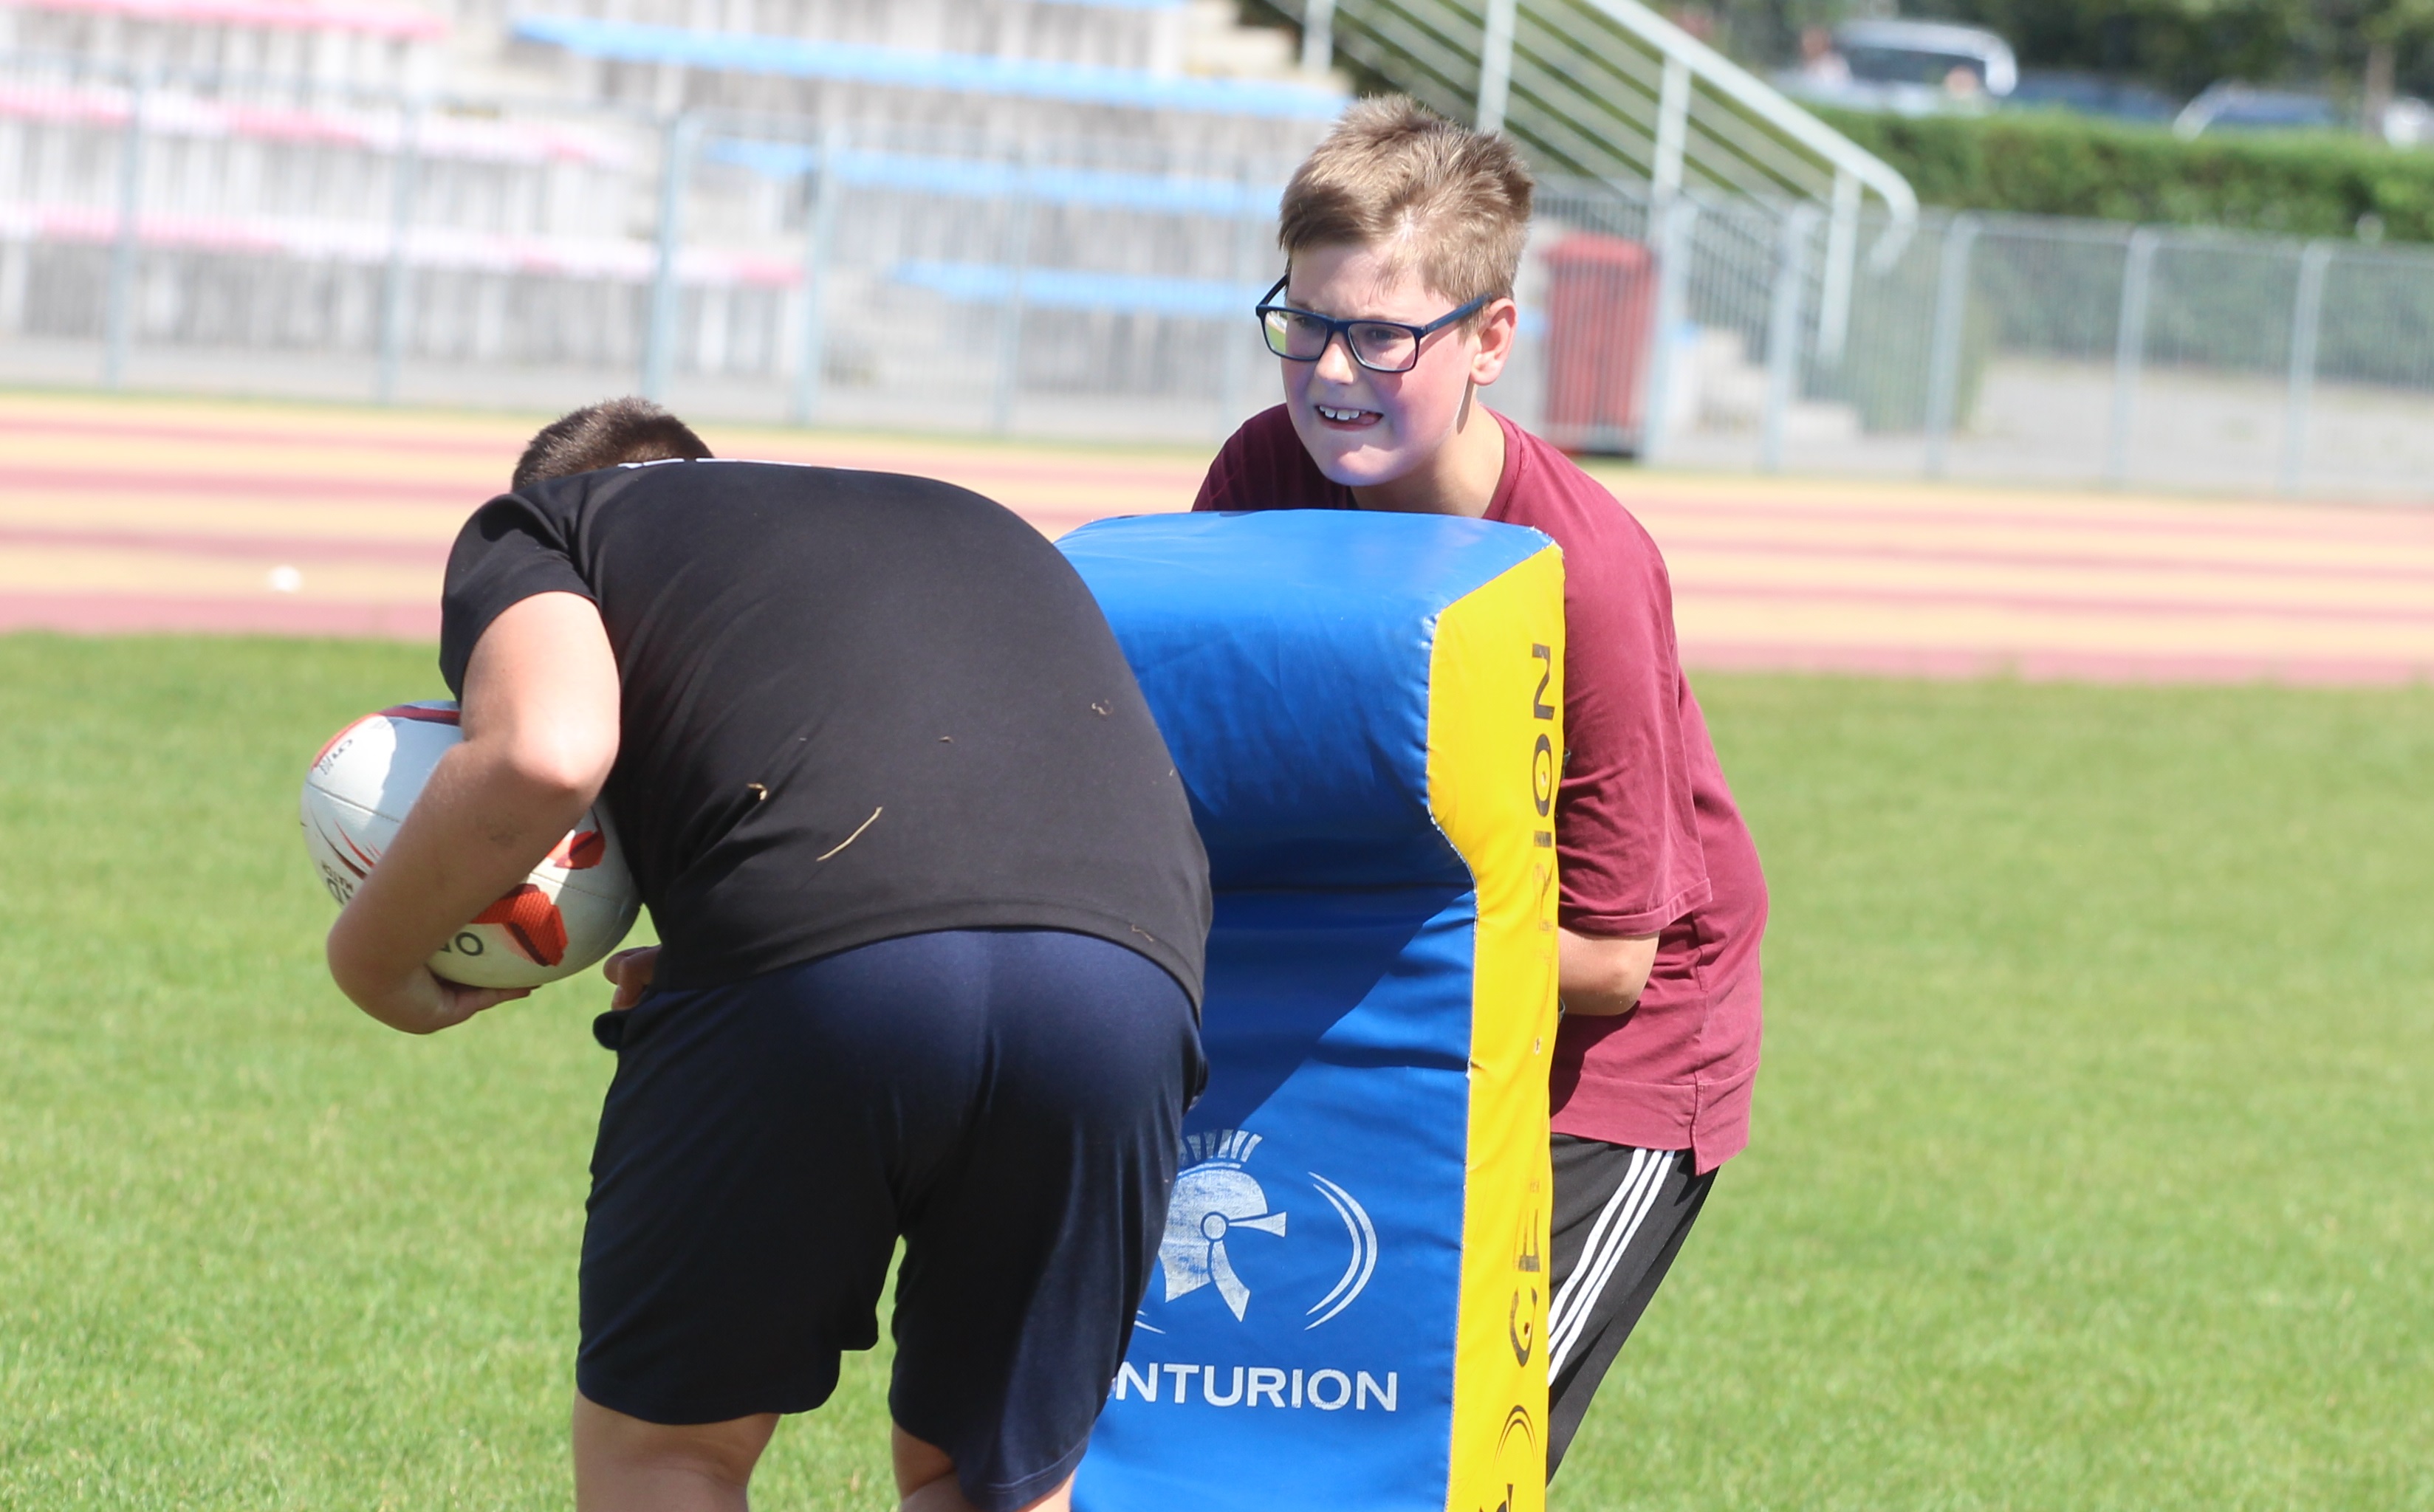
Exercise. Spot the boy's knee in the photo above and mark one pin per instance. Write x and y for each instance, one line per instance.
(919, 1464)
(613, 1448)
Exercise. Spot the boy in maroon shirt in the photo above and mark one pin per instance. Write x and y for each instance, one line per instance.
(1402, 233)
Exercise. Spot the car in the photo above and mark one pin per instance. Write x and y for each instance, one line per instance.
(1906, 67)
(2409, 122)
(2091, 95)
(2230, 106)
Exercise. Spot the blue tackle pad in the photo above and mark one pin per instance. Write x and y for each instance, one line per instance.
(1366, 709)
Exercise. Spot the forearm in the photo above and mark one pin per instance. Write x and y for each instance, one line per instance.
(539, 722)
(479, 828)
(1602, 977)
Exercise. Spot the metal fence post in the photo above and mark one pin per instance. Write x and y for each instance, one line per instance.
(1783, 327)
(1842, 258)
(1943, 348)
(2129, 351)
(405, 168)
(1495, 65)
(660, 338)
(118, 318)
(1672, 128)
(2306, 322)
(1317, 35)
(1677, 219)
(1249, 221)
(1009, 317)
(820, 233)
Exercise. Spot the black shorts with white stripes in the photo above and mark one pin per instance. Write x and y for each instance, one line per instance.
(1620, 1216)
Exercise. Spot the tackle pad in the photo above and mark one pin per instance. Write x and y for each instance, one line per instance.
(1350, 1305)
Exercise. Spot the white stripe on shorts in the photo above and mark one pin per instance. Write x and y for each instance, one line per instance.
(1556, 1309)
(1633, 1198)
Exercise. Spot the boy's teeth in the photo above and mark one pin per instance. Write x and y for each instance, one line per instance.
(1339, 415)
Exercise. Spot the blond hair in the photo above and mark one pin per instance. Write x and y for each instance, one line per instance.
(1430, 195)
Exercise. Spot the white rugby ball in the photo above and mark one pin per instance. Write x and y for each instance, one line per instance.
(568, 913)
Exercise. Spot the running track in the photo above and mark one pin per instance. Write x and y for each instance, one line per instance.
(168, 515)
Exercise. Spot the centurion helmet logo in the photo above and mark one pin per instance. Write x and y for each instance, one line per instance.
(1215, 1198)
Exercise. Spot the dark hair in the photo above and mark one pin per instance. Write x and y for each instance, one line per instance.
(606, 434)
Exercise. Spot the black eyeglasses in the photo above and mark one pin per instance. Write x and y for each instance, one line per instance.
(1381, 346)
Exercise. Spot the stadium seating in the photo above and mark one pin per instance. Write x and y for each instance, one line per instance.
(238, 175)
(367, 44)
(1094, 154)
(1088, 84)
(184, 115)
(993, 179)
(1075, 289)
(1010, 98)
(1153, 35)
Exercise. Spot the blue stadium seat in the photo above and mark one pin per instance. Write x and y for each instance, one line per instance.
(904, 68)
(988, 178)
(1045, 288)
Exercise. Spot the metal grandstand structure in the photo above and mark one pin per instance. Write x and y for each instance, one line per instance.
(1603, 90)
(1052, 217)
(949, 212)
(1607, 93)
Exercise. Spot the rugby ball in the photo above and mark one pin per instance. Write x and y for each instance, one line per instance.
(568, 913)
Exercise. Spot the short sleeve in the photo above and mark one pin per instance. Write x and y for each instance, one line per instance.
(1626, 826)
(1263, 465)
(1221, 486)
(510, 551)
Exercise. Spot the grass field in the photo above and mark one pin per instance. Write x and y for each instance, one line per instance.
(2094, 1163)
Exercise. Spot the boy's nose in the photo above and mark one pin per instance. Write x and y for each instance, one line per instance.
(1335, 361)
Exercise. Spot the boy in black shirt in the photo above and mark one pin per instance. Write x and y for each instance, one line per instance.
(932, 911)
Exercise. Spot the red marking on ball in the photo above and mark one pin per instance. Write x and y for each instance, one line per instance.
(332, 743)
(532, 921)
(580, 851)
(402, 711)
(339, 844)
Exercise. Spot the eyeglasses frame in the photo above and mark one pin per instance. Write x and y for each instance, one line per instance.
(1343, 328)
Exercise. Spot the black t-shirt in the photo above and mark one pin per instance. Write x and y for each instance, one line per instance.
(857, 706)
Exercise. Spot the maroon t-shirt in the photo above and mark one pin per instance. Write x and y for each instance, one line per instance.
(1647, 835)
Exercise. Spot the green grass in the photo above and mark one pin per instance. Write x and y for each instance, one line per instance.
(2094, 1163)
(257, 1252)
(2094, 1156)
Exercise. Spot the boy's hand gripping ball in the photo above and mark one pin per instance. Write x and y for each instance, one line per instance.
(569, 912)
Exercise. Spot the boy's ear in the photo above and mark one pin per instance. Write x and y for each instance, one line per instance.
(1498, 325)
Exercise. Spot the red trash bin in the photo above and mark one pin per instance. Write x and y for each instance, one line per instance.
(1600, 301)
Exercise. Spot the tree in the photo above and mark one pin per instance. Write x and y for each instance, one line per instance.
(2386, 27)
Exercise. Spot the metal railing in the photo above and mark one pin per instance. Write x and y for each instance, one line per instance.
(1608, 90)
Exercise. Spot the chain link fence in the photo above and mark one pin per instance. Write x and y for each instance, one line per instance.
(2018, 350)
(225, 233)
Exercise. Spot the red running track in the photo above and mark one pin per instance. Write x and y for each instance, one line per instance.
(164, 515)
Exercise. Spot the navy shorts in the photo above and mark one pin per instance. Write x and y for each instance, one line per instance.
(1008, 1101)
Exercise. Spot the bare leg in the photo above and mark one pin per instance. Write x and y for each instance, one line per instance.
(925, 1478)
(625, 1465)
